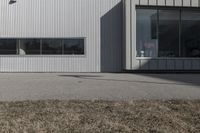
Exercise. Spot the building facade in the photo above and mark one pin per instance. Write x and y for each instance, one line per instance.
(99, 35)
(162, 35)
(61, 36)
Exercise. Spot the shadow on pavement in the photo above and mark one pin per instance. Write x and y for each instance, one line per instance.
(172, 79)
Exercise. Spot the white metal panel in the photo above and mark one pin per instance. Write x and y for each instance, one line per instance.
(161, 2)
(137, 2)
(169, 2)
(186, 3)
(152, 2)
(195, 3)
(56, 18)
(143, 2)
(133, 34)
(128, 21)
(178, 3)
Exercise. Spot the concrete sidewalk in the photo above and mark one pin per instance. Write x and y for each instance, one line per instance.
(91, 86)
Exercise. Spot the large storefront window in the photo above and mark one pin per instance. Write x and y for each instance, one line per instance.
(165, 32)
(146, 33)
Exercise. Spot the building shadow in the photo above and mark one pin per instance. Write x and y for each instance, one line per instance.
(111, 39)
(181, 71)
(101, 78)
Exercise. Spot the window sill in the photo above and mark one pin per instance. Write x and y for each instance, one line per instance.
(82, 56)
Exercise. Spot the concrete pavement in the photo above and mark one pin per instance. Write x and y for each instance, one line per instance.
(92, 86)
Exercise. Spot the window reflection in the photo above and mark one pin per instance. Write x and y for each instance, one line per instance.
(74, 46)
(146, 33)
(51, 46)
(29, 46)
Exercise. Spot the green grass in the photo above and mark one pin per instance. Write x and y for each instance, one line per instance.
(100, 116)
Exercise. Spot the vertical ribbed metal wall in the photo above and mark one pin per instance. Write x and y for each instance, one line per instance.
(188, 3)
(58, 19)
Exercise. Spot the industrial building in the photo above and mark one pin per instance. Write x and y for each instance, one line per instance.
(99, 35)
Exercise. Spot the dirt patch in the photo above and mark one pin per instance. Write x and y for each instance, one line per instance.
(100, 116)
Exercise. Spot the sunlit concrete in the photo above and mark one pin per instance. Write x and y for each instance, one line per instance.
(93, 86)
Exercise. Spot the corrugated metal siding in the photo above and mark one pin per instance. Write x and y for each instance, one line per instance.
(55, 18)
(167, 64)
(188, 3)
(133, 63)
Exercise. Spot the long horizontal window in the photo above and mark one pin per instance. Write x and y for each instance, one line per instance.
(75, 46)
(168, 32)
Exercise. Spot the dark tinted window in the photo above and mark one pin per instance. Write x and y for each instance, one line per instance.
(190, 34)
(52, 46)
(73, 46)
(8, 46)
(168, 33)
(30, 46)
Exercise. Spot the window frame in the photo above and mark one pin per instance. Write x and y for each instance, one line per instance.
(47, 55)
(178, 8)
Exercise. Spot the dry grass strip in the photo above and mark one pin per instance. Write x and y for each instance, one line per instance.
(100, 117)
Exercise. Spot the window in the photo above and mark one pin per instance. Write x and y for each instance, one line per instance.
(146, 33)
(8, 46)
(168, 32)
(52, 46)
(74, 46)
(42, 46)
(30, 46)
(190, 34)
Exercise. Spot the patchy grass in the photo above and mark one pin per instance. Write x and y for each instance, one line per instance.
(100, 116)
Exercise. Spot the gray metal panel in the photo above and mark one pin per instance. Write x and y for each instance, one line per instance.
(153, 64)
(111, 40)
(168, 64)
(162, 64)
(171, 64)
(187, 64)
(195, 64)
(144, 64)
(179, 64)
(56, 18)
